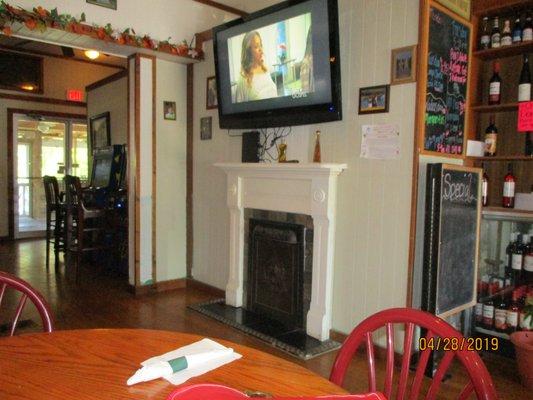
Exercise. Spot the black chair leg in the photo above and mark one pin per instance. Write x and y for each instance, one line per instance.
(48, 235)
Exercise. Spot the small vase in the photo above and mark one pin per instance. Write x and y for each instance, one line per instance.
(317, 157)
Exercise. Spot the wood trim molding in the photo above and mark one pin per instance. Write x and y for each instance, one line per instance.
(43, 53)
(137, 170)
(204, 287)
(159, 287)
(201, 37)
(10, 144)
(223, 7)
(154, 170)
(37, 99)
(190, 170)
(107, 80)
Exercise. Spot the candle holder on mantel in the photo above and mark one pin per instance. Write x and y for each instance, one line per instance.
(317, 157)
(282, 152)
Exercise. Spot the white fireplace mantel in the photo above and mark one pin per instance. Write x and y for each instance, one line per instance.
(309, 189)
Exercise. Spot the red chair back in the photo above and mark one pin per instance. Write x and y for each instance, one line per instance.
(219, 392)
(480, 380)
(8, 281)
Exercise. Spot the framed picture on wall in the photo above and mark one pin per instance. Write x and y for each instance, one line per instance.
(374, 99)
(169, 110)
(100, 130)
(206, 131)
(104, 3)
(211, 101)
(403, 65)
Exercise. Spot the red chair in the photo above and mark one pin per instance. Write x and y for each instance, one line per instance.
(479, 378)
(219, 392)
(19, 285)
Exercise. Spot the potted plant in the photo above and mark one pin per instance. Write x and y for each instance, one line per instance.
(523, 343)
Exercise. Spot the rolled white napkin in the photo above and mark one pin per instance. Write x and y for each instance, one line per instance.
(211, 355)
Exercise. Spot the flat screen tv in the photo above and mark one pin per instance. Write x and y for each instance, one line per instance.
(279, 66)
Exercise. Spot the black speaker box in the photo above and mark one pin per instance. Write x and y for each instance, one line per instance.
(250, 147)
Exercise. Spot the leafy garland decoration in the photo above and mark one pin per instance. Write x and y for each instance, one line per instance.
(41, 19)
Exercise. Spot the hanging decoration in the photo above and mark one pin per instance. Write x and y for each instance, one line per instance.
(42, 19)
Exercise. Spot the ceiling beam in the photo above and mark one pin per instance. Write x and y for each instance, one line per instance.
(223, 7)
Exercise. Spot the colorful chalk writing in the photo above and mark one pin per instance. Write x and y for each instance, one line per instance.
(447, 78)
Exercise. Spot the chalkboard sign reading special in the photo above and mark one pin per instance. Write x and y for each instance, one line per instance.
(451, 238)
(446, 83)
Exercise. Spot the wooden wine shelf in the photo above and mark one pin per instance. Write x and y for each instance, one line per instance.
(507, 214)
(492, 8)
(492, 333)
(506, 51)
(502, 158)
(482, 108)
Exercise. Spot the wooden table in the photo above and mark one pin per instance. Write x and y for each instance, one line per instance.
(95, 364)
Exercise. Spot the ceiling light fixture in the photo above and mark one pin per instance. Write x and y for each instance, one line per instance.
(92, 54)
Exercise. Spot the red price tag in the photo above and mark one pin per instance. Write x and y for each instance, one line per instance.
(525, 116)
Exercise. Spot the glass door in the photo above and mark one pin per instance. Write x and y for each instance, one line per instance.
(45, 146)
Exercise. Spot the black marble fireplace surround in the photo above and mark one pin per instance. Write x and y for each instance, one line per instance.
(278, 270)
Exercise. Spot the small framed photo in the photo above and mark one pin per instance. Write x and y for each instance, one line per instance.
(374, 99)
(403, 65)
(100, 131)
(104, 3)
(169, 110)
(211, 101)
(206, 132)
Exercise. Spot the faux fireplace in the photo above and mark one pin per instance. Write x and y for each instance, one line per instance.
(276, 267)
(308, 189)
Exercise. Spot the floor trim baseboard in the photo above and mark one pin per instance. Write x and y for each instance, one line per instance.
(194, 284)
(159, 287)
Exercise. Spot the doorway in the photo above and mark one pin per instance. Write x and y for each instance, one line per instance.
(43, 144)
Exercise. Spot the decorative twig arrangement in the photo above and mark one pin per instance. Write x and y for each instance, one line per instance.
(41, 19)
(269, 139)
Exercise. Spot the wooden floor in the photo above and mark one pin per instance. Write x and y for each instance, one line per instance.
(101, 300)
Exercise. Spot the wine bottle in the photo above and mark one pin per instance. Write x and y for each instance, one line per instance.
(495, 84)
(485, 188)
(513, 312)
(527, 33)
(518, 259)
(488, 313)
(506, 39)
(517, 31)
(500, 314)
(484, 40)
(491, 138)
(509, 252)
(524, 84)
(508, 188)
(528, 262)
(495, 38)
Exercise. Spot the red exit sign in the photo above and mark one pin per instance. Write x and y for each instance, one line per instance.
(74, 95)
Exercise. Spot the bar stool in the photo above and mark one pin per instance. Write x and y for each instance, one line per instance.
(88, 228)
(55, 218)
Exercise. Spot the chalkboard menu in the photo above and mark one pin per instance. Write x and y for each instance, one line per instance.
(446, 86)
(451, 238)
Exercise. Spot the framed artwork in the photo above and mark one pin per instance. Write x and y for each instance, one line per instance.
(211, 101)
(206, 131)
(374, 99)
(460, 7)
(100, 130)
(104, 3)
(169, 110)
(403, 65)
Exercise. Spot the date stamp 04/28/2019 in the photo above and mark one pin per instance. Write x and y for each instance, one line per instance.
(458, 344)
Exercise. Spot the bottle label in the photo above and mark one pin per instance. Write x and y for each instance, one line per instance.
(508, 189)
(484, 187)
(516, 262)
(527, 34)
(526, 323)
(517, 36)
(524, 92)
(495, 40)
(507, 40)
(485, 41)
(512, 318)
(494, 88)
(500, 316)
(488, 312)
(490, 144)
(528, 263)
(479, 312)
